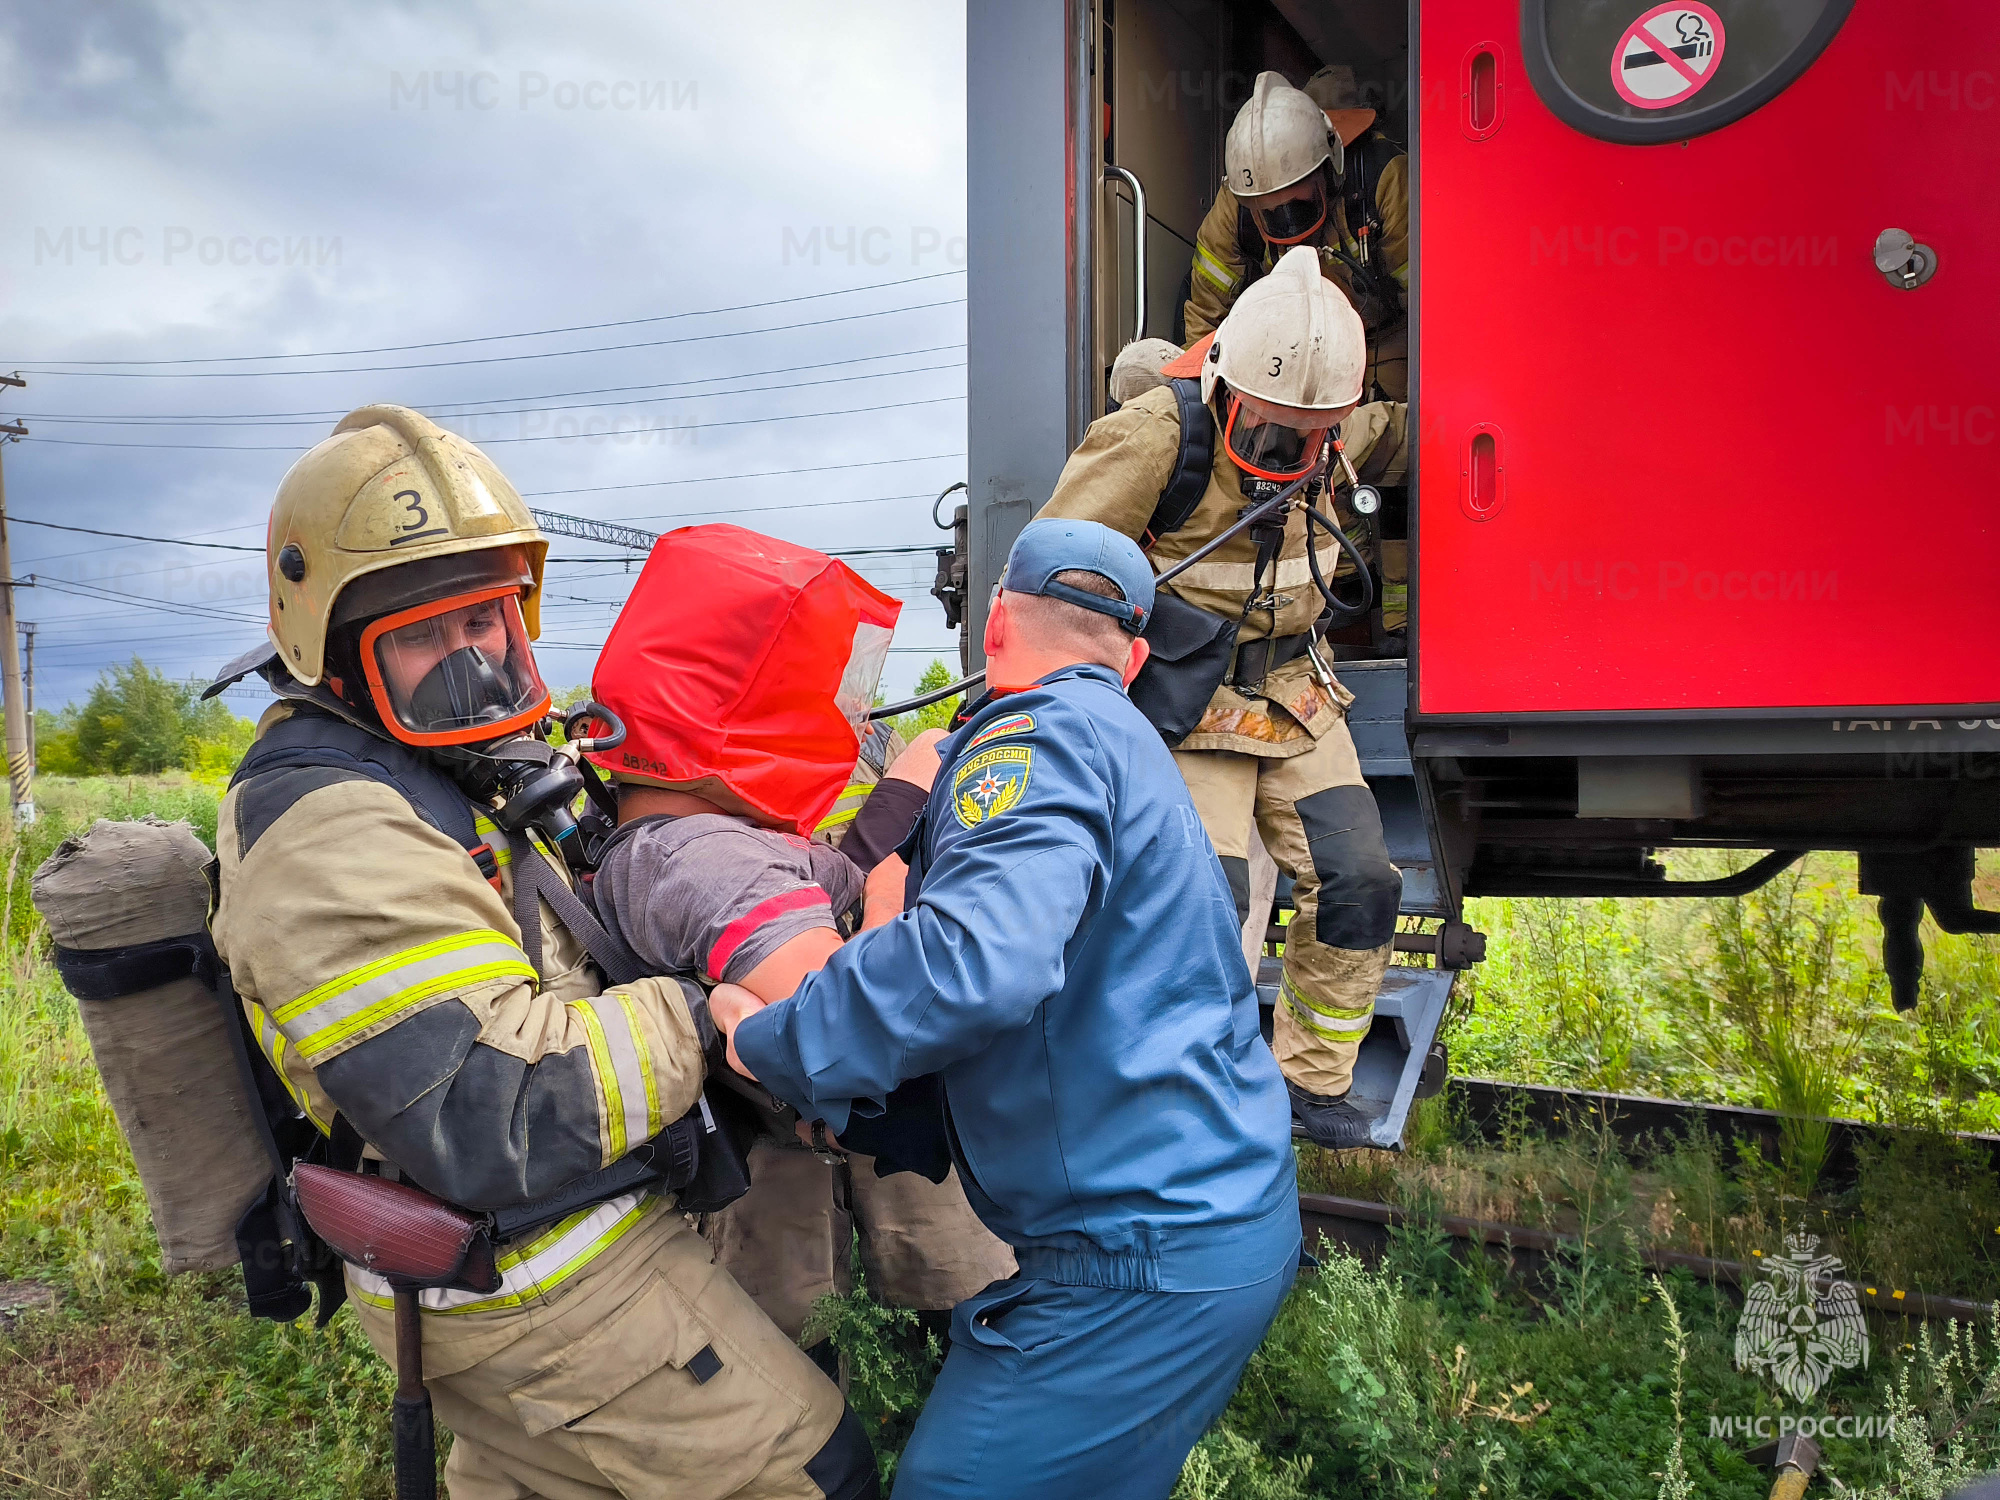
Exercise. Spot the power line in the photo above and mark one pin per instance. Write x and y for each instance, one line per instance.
(531, 334)
(316, 419)
(133, 536)
(65, 586)
(648, 484)
(497, 359)
(549, 437)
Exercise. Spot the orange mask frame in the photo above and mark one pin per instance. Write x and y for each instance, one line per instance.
(1306, 464)
(378, 689)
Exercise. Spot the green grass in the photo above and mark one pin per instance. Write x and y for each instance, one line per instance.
(133, 1385)
(1775, 999)
(1435, 1374)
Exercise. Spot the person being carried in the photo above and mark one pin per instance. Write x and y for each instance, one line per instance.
(709, 875)
(1069, 969)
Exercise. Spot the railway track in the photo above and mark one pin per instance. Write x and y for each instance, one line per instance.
(1493, 1107)
(1498, 1109)
(1362, 1227)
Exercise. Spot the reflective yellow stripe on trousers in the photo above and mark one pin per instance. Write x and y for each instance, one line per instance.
(624, 1070)
(321, 1019)
(1336, 1023)
(531, 1270)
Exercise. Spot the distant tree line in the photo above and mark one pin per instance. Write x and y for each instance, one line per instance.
(139, 722)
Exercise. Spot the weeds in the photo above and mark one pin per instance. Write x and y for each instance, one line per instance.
(890, 1359)
(1674, 1481)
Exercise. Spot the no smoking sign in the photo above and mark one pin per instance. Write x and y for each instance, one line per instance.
(1668, 55)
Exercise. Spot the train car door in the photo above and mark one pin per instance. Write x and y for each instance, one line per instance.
(1705, 311)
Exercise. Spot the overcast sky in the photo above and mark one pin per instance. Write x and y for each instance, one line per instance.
(193, 185)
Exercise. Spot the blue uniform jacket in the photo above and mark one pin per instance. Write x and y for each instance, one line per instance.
(1072, 967)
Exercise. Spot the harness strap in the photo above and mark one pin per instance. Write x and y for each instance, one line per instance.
(533, 879)
(1194, 461)
(1268, 654)
(527, 910)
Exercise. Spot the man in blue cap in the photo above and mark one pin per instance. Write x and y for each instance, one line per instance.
(1070, 967)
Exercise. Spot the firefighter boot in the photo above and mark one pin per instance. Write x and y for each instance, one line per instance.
(1335, 1124)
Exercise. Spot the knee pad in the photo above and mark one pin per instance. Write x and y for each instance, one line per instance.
(844, 1468)
(1360, 891)
(1238, 873)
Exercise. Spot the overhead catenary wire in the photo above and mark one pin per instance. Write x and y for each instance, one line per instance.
(648, 484)
(170, 540)
(442, 417)
(530, 333)
(93, 591)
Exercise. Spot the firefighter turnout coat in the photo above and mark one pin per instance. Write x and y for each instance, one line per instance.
(1116, 476)
(385, 978)
(1222, 270)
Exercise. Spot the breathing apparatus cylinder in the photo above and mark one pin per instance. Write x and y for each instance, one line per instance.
(127, 907)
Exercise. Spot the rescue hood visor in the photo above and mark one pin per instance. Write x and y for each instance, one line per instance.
(455, 671)
(1262, 443)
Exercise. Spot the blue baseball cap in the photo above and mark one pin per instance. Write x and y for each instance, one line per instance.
(1048, 547)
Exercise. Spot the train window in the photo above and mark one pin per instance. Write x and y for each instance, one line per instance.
(1639, 73)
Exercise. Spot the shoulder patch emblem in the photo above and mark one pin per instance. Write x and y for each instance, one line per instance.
(1001, 727)
(990, 783)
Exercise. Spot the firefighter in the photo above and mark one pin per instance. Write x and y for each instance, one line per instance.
(716, 890)
(368, 917)
(1306, 167)
(1069, 968)
(1272, 746)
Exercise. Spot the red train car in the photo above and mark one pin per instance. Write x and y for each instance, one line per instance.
(1703, 307)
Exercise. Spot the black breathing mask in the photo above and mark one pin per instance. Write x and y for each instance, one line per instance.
(1294, 220)
(466, 687)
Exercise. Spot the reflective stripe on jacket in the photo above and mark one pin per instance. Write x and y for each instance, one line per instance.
(1219, 273)
(385, 978)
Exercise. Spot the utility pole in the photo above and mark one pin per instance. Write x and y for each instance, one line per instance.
(20, 783)
(28, 682)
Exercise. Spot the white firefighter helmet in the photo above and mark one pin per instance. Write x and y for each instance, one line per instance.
(1292, 353)
(1292, 339)
(1335, 90)
(388, 488)
(1278, 138)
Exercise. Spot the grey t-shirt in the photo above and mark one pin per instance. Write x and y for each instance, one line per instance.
(715, 896)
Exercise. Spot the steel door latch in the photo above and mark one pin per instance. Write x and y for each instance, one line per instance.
(1904, 263)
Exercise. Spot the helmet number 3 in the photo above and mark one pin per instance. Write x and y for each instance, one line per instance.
(1277, 366)
(420, 519)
